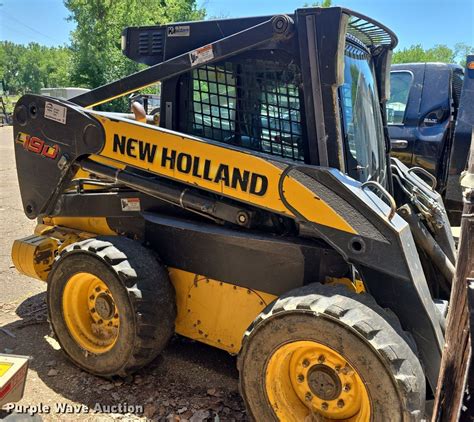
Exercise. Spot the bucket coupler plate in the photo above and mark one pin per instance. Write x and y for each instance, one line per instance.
(49, 137)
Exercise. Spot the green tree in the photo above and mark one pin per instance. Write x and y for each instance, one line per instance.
(322, 3)
(96, 41)
(416, 53)
(461, 51)
(10, 54)
(32, 67)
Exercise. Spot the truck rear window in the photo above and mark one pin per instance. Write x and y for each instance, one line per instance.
(400, 85)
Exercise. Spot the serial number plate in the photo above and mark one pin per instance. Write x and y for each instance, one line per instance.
(55, 112)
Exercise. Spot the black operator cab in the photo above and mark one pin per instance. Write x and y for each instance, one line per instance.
(295, 98)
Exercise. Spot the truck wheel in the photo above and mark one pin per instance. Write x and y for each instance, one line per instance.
(324, 353)
(111, 305)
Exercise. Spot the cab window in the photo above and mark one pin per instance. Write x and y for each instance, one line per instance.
(251, 103)
(361, 116)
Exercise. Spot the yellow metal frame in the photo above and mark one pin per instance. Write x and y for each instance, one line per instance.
(215, 312)
(301, 198)
(86, 225)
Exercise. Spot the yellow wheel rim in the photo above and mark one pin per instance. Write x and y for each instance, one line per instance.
(306, 379)
(90, 313)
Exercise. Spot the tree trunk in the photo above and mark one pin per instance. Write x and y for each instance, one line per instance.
(456, 359)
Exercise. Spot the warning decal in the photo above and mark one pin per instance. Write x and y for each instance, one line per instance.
(130, 204)
(201, 55)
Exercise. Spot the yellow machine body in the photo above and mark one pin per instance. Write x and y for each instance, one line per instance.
(134, 144)
(214, 312)
(210, 311)
(266, 182)
(33, 256)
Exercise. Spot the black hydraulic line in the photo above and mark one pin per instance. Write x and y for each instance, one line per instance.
(426, 241)
(186, 198)
(279, 26)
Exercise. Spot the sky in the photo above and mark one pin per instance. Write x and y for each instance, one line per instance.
(425, 22)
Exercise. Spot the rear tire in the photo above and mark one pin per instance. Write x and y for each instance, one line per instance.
(324, 353)
(111, 305)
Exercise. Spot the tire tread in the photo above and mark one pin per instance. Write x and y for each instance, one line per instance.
(381, 329)
(138, 270)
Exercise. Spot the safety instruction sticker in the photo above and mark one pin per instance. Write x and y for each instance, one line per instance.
(201, 55)
(55, 112)
(179, 31)
(130, 204)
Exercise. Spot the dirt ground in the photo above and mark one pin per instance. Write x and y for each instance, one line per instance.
(189, 382)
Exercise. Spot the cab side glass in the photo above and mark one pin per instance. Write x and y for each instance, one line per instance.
(400, 84)
(361, 117)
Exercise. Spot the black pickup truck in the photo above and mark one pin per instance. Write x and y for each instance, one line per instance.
(421, 115)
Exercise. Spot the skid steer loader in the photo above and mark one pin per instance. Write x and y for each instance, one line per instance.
(263, 217)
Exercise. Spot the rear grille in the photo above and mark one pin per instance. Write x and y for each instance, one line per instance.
(150, 43)
(156, 43)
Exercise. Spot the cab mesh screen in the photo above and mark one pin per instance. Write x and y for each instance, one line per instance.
(254, 104)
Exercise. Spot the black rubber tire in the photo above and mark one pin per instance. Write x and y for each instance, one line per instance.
(143, 295)
(353, 325)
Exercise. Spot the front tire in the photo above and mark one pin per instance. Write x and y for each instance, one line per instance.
(111, 305)
(324, 353)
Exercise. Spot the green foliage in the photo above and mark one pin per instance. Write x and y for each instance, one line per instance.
(461, 51)
(438, 53)
(95, 58)
(32, 67)
(323, 3)
(96, 41)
